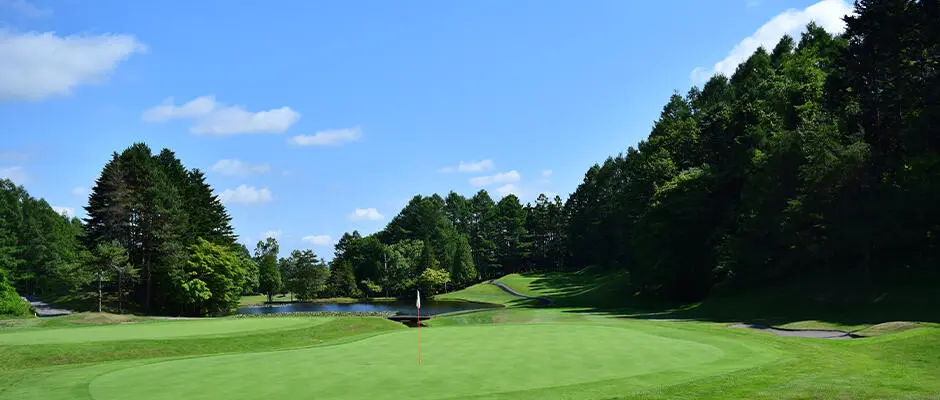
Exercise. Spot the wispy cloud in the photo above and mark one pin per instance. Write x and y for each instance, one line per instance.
(66, 211)
(39, 65)
(508, 189)
(827, 14)
(502, 177)
(472, 166)
(25, 9)
(245, 194)
(239, 168)
(318, 240)
(213, 118)
(333, 137)
(274, 233)
(365, 214)
(14, 173)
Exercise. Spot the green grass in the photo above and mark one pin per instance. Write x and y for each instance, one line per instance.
(462, 361)
(154, 330)
(525, 350)
(481, 292)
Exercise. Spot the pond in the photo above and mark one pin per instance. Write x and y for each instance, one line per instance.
(401, 307)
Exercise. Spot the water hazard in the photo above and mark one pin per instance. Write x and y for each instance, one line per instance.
(401, 307)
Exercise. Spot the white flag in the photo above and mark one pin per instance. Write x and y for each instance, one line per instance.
(418, 303)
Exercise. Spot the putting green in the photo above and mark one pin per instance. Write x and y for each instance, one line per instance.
(156, 330)
(457, 362)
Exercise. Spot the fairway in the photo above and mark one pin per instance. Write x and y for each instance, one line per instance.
(157, 330)
(457, 361)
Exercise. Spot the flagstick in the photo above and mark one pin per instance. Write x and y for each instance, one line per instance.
(419, 335)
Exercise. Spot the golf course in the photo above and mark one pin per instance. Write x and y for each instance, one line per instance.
(470, 200)
(524, 350)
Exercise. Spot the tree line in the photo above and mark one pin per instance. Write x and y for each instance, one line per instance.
(433, 244)
(815, 161)
(156, 239)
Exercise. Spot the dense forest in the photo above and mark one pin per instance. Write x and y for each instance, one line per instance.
(816, 161)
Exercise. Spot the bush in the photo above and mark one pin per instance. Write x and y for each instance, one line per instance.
(372, 289)
(11, 304)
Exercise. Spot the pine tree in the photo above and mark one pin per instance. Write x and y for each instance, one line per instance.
(462, 270)
(482, 230)
(427, 258)
(342, 280)
(510, 238)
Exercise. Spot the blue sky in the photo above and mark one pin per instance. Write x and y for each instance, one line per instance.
(316, 118)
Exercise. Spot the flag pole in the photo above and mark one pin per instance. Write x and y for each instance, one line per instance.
(419, 335)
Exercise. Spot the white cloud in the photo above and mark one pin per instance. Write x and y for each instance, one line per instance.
(239, 168)
(39, 65)
(13, 156)
(245, 194)
(276, 234)
(15, 173)
(508, 189)
(365, 214)
(502, 177)
(473, 166)
(332, 137)
(25, 8)
(318, 240)
(80, 191)
(826, 13)
(213, 118)
(67, 211)
(547, 173)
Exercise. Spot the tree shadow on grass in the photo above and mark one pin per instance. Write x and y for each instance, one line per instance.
(839, 304)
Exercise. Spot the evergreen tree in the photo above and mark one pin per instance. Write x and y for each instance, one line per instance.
(482, 230)
(510, 237)
(462, 271)
(342, 280)
(427, 258)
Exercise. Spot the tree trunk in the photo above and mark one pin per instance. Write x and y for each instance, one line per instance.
(149, 285)
(120, 293)
(99, 290)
